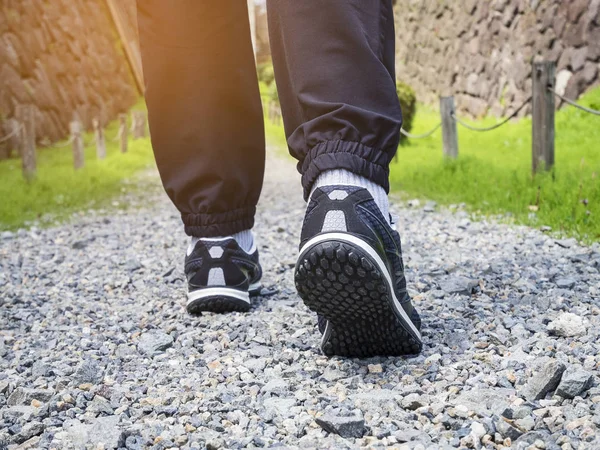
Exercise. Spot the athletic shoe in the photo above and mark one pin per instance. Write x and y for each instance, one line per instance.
(350, 272)
(221, 276)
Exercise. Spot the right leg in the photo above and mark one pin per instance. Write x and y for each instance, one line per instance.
(207, 131)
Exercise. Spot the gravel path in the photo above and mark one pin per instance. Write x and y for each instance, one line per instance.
(97, 351)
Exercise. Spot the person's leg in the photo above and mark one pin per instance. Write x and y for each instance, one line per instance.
(207, 132)
(334, 67)
(204, 109)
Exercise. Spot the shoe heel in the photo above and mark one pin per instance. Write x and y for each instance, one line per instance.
(343, 283)
(218, 300)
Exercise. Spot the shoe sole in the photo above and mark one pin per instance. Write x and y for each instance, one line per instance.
(342, 278)
(221, 300)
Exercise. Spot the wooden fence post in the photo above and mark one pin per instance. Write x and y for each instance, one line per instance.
(26, 117)
(138, 124)
(542, 118)
(100, 141)
(12, 127)
(449, 131)
(77, 137)
(123, 132)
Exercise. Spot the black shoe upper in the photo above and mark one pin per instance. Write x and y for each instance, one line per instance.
(221, 264)
(352, 210)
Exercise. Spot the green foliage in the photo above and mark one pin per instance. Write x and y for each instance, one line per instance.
(266, 79)
(493, 171)
(266, 73)
(273, 93)
(268, 93)
(58, 190)
(408, 103)
(264, 91)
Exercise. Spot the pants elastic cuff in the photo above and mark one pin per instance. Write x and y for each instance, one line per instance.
(355, 157)
(206, 225)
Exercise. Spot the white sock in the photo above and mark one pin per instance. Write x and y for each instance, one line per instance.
(347, 178)
(245, 240)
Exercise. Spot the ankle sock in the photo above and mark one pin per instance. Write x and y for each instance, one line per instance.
(245, 240)
(346, 178)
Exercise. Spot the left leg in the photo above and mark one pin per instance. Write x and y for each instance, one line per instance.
(207, 133)
(334, 66)
(335, 70)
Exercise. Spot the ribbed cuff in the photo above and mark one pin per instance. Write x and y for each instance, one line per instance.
(219, 224)
(354, 157)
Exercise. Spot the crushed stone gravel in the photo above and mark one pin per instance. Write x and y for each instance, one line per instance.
(97, 350)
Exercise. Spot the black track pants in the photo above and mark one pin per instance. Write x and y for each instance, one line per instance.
(334, 68)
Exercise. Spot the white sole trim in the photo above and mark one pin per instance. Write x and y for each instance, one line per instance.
(350, 239)
(326, 334)
(218, 292)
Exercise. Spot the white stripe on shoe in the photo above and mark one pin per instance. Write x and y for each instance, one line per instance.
(218, 292)
(326, 334)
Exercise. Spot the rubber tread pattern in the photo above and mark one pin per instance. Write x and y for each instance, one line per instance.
(218, 304)
(343, 284)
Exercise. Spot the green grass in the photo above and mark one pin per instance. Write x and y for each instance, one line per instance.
(273, 131)
(492, 175)
(58, 190)
(493, 172)
(275, 135)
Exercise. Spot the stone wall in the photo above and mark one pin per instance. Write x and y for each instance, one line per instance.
(481, 51)
(63, 57)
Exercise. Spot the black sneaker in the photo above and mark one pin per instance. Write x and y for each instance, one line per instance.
(350, 272)
(221, 277)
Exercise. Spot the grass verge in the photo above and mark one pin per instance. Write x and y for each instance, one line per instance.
(58, 190)
(492, 174)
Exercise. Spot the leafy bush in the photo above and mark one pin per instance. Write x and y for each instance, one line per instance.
(265, 73)
(273, 94)
(408, 103)
(266, 78)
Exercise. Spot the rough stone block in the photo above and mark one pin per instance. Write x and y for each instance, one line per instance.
(46, 46)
